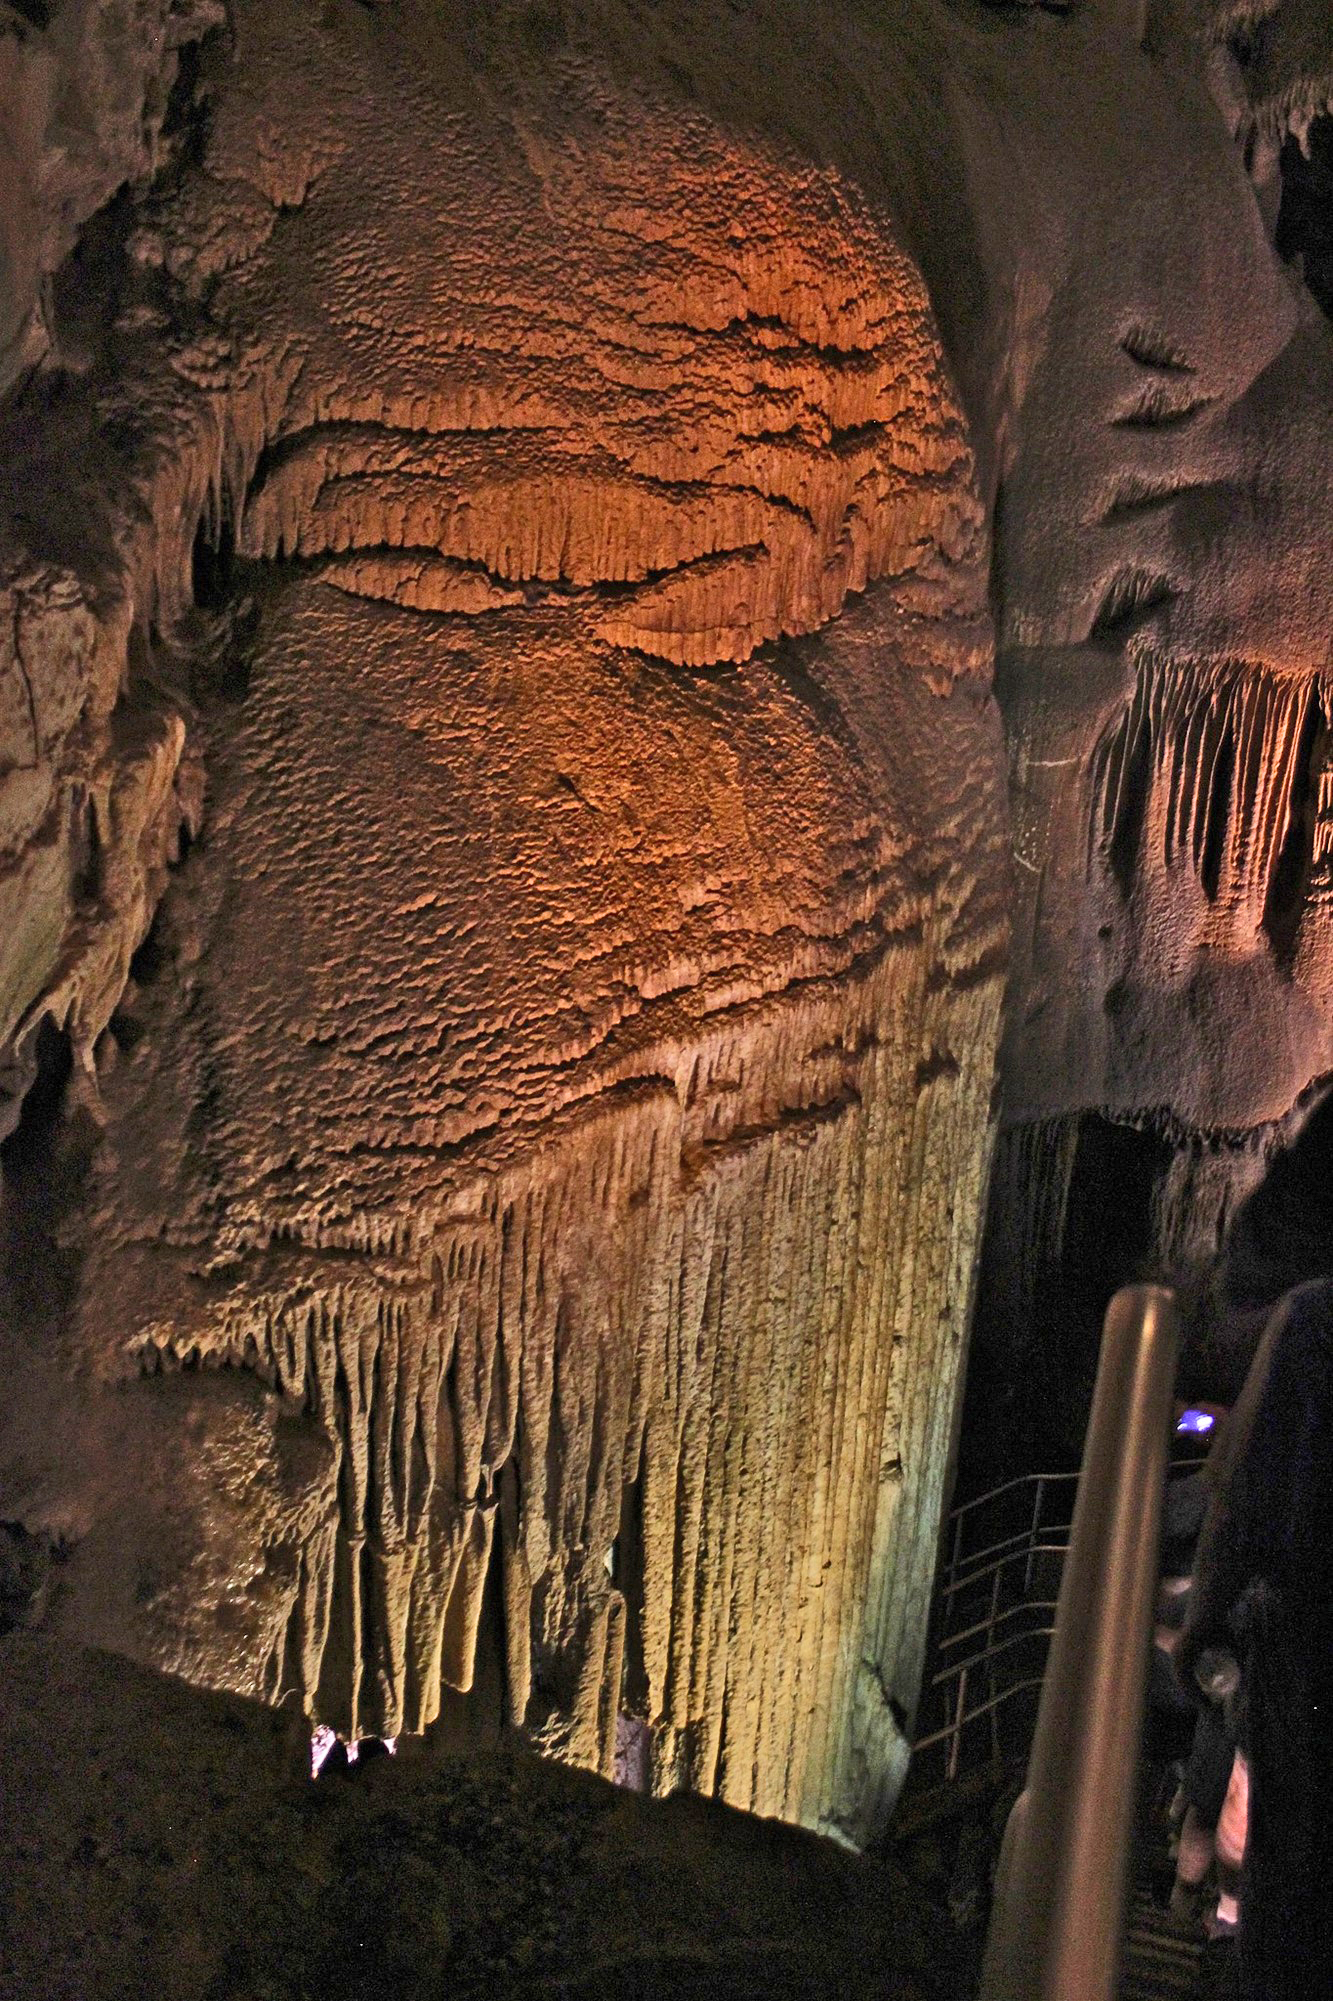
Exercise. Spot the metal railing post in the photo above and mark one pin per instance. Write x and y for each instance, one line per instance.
(1059, 1907)
(1039, 1494)
(990, 1669)
(956, 1739)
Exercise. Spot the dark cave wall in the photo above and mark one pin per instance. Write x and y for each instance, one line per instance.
(1081, 1202)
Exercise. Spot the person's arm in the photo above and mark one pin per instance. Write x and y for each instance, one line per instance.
(1224, 1560)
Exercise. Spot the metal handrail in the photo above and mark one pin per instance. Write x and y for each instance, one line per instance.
(959, 1517)
(953, 1678)
(1006, 1487)
(1058, 1914)
(1021, 1545)
(993, 1652)
(995, 1701)
(1023, 1553)
(989, 1626)
(1178, 1465)
(1003, 1542)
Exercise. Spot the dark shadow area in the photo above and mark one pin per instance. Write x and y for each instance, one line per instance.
(42, 1165)
(475, 1720)
(1305, 218)
(172, 1844)
(1070, 1220)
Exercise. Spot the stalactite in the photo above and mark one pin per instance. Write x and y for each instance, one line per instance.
(1029, 1192)
(655, 1163)
(1208, 1177)
(783, 1417)
(1203, 772)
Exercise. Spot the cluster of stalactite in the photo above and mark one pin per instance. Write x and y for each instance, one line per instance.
(662, 1385)
(1224, 775)
(540, 1093)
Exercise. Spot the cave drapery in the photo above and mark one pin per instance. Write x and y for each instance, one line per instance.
(582, 586)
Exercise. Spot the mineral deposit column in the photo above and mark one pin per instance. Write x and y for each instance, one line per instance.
(515, 855)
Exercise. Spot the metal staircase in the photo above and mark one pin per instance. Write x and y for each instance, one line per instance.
(993, 1621)
(1160, 1961)
(1040, 1639)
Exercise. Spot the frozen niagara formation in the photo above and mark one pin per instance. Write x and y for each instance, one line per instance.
(571, 576)
(522, 1199)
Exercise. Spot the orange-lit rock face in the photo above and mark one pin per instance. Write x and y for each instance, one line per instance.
(538, 1156)
(551, 1135)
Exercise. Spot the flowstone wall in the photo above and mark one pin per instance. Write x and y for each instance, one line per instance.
(510, 515)
(531, 982)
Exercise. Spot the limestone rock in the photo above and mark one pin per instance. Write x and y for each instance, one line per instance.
(531, 1171)
(502, 818)
(84, 90)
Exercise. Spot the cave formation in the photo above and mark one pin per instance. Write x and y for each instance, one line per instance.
(643, 649)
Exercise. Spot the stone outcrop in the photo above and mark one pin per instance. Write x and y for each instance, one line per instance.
(1156, 385)
(158, 1839)
(85, 96)
(520, 1201)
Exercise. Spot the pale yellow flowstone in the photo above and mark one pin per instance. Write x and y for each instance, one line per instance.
(498, 614)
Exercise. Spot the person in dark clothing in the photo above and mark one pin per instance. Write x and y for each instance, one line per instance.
(1204, 1788)
(1176, 1728)
(1170, 1714)
(1263, 1577)
(1280, 1237)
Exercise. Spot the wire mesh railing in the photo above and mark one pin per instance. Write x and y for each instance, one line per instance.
(994, 1616)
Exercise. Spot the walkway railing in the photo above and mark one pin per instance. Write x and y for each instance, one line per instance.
(994, 1614)
(1060, 1893)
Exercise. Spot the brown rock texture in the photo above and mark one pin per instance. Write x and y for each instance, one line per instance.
(502, 820)
(85, 87)
(511, 1225)
(1165, 636)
